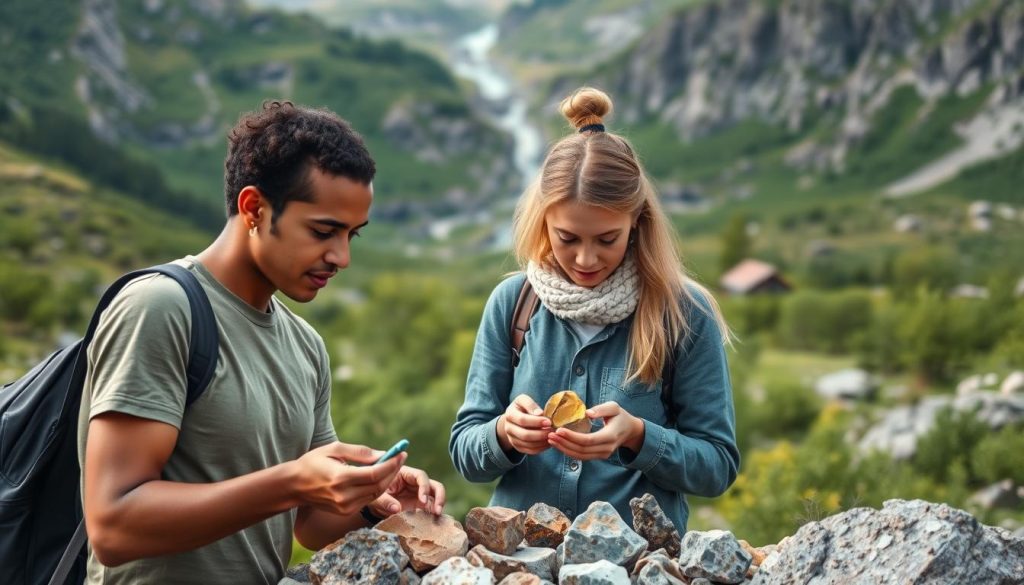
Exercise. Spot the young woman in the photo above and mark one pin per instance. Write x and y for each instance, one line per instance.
(616, 305)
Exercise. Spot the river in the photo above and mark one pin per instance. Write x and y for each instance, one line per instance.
(471, 59)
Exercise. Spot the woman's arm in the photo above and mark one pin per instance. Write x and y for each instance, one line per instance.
(699, 455)
(474, 447)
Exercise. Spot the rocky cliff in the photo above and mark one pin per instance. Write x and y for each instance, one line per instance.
(818, 69)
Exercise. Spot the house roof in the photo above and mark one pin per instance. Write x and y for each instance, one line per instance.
(747, 275)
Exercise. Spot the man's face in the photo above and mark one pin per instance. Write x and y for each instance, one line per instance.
(588, 242)
(311, 241)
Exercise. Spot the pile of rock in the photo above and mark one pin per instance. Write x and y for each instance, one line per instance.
(540, 546)
(904, 542)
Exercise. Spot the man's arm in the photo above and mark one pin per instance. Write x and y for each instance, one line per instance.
(130, 512)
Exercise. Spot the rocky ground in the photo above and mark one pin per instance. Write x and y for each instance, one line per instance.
(905, 542)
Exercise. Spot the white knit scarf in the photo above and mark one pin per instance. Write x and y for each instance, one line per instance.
(609, 302)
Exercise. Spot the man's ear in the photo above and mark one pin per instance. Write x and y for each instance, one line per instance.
(250, 205)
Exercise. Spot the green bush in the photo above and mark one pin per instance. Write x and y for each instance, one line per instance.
(936, 336)
(22, 290)
(787, 410)
(922, 267)
(830, 322)
(950, 442)
(999, 456)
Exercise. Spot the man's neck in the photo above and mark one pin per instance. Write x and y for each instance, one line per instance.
(227, 258)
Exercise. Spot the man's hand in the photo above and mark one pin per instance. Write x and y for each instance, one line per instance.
(412, 489)
(325, 480)
(621, 429)
(523, 427)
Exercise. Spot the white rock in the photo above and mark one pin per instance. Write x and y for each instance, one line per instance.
(1013, 384)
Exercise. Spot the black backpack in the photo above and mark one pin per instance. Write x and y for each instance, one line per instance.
(42, 532)
(527, 304)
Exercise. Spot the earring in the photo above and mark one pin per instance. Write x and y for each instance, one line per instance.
(632, 237)
(253, 230)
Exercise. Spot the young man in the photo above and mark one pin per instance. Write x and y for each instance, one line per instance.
(213, 494)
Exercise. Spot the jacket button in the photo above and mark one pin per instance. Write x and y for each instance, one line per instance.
(579, 370)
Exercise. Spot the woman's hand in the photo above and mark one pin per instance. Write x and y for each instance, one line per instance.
(524, 427)
(621, 429)
(411, 489)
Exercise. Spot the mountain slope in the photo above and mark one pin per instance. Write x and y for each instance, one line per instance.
(868, 92)
(165, 79)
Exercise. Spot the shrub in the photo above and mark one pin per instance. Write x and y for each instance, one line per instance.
(999, 456)
(951, 440)
(828, 322)
(788, 409)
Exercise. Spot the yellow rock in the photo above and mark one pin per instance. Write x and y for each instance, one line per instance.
(565, 409)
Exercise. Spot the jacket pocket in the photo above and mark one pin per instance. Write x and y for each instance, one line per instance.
(639, 399)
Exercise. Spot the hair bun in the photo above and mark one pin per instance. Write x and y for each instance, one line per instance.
(586, 106)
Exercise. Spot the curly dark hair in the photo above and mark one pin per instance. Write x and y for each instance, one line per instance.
(275, 147)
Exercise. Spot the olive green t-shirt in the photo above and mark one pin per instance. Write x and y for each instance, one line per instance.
(268, 402)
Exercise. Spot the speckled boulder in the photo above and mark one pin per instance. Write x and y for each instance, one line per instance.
(715, 555)
(904, 542)
(600, 534)
(545, 525)
(600, 573)
(497, 528)
(650, 522)
(410, 577)
(365, 556)
(458, 571)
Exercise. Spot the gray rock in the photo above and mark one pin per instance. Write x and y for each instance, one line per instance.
(362, 556)
(898, 431)
(714, 555)
(1003, 494)
(458, 571)
(410, 577)
(848, 384)
(1014, 383)
(904, 542)
(650, 522)
(600, 534)
(700, 581)
(299, 573)
(600, 573)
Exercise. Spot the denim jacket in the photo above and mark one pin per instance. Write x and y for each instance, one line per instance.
(696, 453)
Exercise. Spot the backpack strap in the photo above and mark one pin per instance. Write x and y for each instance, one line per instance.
(526, 306)
(203, 347)
(203, 353)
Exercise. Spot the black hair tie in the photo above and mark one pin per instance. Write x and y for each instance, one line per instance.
(592, 127)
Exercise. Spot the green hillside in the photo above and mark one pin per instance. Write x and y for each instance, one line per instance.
(62, 239)
(166, 80)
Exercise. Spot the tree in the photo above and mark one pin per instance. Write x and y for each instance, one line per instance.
(736, 242)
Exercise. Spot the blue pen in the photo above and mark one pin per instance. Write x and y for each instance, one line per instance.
(395, 450)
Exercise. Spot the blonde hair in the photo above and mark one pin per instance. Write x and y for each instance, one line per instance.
(600, 168)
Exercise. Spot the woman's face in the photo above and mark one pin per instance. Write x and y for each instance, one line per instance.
(588, 242)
